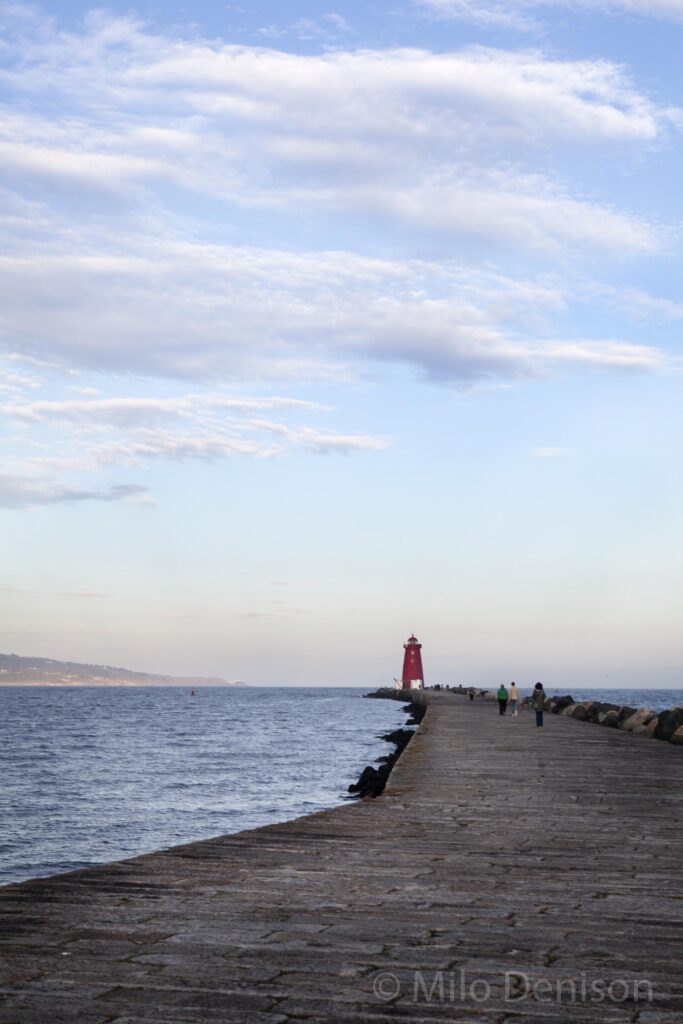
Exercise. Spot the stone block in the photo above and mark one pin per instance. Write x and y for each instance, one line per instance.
(641, 718)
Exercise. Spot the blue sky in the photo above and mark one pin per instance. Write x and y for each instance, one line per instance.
(320, 326)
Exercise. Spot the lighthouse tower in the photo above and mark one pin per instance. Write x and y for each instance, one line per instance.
(413, 676)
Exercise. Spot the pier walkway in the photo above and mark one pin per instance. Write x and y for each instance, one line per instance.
(508, 875)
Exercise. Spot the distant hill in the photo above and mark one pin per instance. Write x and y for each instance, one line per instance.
(17, 671)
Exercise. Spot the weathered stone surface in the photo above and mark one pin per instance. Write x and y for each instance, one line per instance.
(668, 723)
(651, 726)
(602, 709)
(496, 846)
(642, 717)
(557, 704)
(678, 735)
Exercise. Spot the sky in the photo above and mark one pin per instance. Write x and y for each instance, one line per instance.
(322, 326)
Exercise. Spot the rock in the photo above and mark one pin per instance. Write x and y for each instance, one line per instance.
(669, 722)
(398, 736)
(560, 703)
(651, 726)
(612, 719)
(582, 711)
(624, 714)
(601, 710)
(640, 718)
(371, 782)
(678, 735)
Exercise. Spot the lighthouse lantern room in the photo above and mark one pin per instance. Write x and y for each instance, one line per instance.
(413, 676)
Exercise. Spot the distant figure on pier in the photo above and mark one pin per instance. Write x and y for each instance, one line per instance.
(502, 698)
(514, 697)
(537, 702)
(471, 693)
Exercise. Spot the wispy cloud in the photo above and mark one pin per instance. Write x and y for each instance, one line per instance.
(401, 132)
(92, 436)
(275, 315)
(517, 14)
(18, 492)
(131, 159)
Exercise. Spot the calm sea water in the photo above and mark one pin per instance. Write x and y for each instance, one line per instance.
(91, 775)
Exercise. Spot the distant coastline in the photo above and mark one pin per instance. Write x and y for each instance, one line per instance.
(20, 671)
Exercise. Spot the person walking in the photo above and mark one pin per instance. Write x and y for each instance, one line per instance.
(502, 697)
(537, 702)
(514, 697)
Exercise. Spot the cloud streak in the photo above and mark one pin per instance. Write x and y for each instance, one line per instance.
(516, 14)
(397, 135)
(192, 218)
(20, 492)
(210, 312)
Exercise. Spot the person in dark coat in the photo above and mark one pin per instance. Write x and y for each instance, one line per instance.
(537, 702)
(502, 697)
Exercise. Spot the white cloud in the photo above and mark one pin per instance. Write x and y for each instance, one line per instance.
(515, 13)
(18, 492)
(192, 310)
(187, 145)
(613, 354)
(140, 411)
(363, 132)
(91, 437)
(512, 212)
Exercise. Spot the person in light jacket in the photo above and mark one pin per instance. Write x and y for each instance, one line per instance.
(514, 697)
(537, 702)
(502, 698)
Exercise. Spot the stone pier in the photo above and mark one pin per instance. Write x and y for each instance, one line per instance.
(506, 874)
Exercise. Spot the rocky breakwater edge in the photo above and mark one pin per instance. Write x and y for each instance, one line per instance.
(658, 725)
(372, 781)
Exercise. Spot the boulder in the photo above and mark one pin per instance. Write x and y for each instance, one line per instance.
(582, 711)
(624, 714)
(612, 719)
(371, 782)
(603, 710)
(641, 718)
(652, 726)
(678, 735)
(558, 704)
(669, 722)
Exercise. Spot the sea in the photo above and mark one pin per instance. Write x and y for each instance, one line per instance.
(90, 775)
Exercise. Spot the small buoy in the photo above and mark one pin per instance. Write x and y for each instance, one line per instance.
(191, 693)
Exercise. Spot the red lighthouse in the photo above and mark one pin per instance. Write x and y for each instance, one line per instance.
(413, 676)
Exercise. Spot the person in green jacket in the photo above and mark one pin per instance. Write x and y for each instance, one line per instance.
(502, 697)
